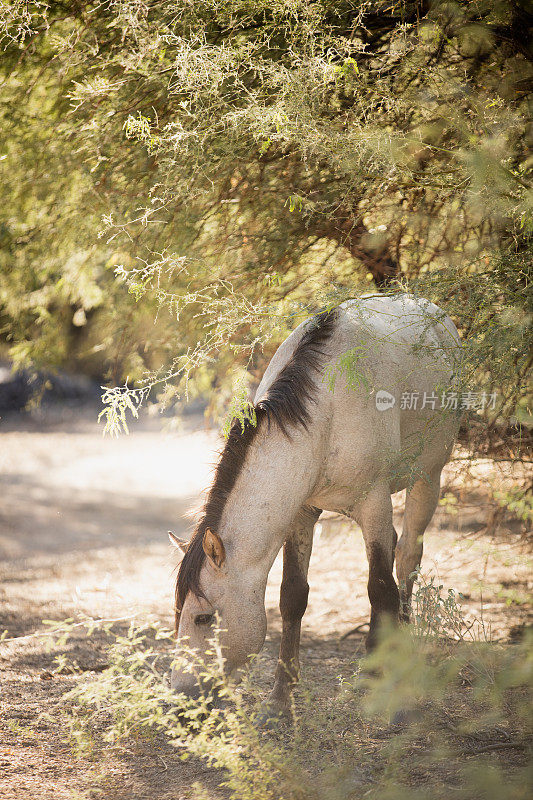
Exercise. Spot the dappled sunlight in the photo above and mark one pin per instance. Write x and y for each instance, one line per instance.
(104, 505)
(67, 490)
(84, 535)
(261, 265)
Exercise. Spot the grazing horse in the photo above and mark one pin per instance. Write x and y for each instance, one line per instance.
(348, 412)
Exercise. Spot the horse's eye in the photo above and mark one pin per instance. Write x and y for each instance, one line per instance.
(203, 619)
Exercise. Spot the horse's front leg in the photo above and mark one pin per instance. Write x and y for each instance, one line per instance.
(293, 602)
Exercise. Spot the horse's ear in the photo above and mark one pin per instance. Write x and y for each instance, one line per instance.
(181, 544)
(214, 547)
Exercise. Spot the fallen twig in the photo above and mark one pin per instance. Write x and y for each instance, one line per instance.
(357, 629)
(494, 746)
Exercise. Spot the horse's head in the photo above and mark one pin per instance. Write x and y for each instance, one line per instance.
(209, 595)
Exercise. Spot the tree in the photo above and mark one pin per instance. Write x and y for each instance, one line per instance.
(245, 162)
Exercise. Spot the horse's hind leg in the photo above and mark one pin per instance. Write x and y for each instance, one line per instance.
(293, 602)
(374, 515)
(419, 508)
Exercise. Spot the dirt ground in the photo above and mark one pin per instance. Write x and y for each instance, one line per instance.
(83, 523)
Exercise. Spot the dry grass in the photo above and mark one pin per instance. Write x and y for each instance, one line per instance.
(83, 532)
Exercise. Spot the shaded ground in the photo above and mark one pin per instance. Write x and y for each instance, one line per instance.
(83, 524)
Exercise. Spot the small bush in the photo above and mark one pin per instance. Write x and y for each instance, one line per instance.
(464, 699)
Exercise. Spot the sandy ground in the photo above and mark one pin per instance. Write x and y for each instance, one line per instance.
(83, 523)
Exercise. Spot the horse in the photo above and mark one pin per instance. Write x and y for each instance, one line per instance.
(334, 428)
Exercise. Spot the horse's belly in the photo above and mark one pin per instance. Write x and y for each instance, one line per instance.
(397, 450)
(352, 465)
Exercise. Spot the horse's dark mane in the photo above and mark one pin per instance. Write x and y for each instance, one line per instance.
(286, 405)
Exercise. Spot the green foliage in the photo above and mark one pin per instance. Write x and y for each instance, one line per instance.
(437, 615)
(349, 366)
(497, 308)
(117, 402)
(225, 167)
(240, 410)
(466, 698)
(517, 500)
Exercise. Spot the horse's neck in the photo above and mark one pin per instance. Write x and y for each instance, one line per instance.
(276, 479)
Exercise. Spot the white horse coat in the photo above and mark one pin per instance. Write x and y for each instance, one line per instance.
(350, 410)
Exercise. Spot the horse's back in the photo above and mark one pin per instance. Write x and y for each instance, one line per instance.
(377, 412)
(392, 326)
(400, 323)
